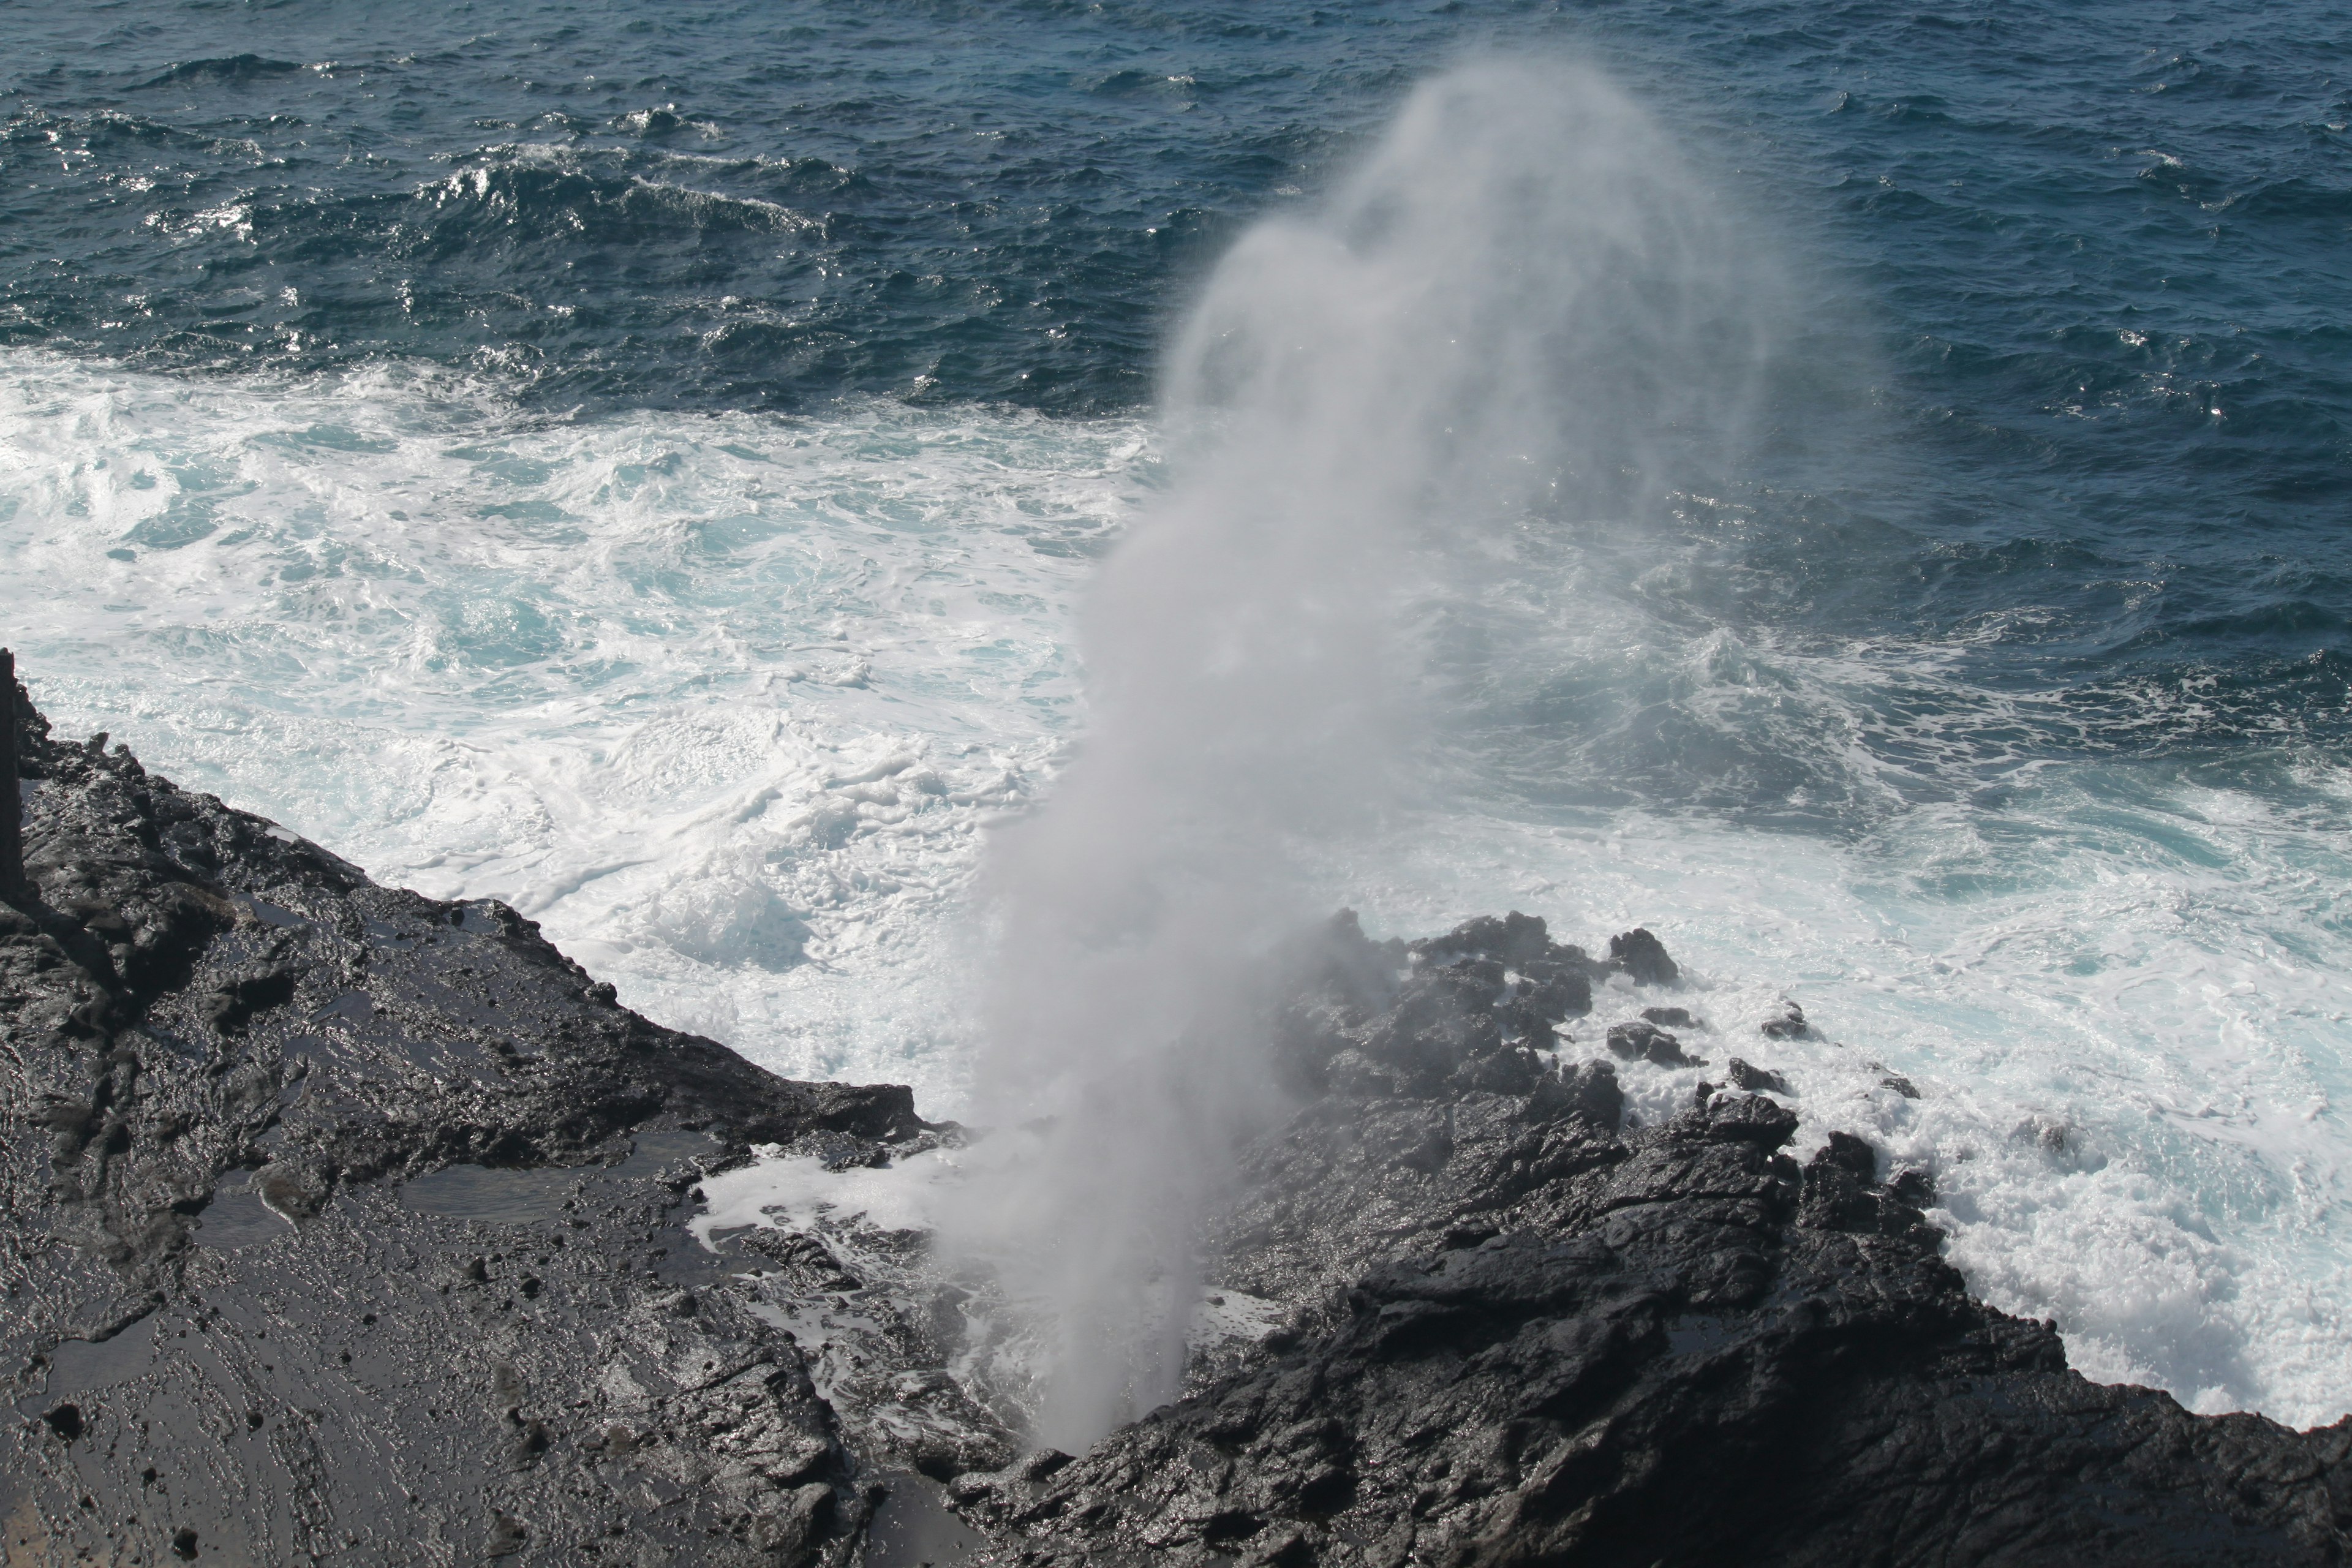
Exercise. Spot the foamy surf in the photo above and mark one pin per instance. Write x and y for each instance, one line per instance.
(721, 700)
(727, 702)
(2126, 1046)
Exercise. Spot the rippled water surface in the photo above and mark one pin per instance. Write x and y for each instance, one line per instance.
(640, 464)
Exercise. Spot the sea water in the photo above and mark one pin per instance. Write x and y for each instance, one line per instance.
(646, 470)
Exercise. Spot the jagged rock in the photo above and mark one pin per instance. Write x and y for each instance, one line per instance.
(1519, 1330)
(225, 1050)
(1467, 1011)
(1914, 1186)
(1643, 957)
(1644, 1041)
(1755, 1079)
(1554, 980)
(1569, 1342)
(1787, 1024)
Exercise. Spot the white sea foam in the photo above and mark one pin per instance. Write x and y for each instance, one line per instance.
(727, 702)
(2126, 1030)
(722, 701)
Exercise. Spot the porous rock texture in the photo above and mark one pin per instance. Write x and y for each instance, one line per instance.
(1557, 1339)
(230, 1334)
(344, 1226)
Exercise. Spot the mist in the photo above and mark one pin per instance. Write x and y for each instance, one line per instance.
(1519, 314)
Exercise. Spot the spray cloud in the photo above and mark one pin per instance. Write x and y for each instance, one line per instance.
(1518, 312)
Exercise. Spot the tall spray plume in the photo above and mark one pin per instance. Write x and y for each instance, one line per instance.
(1519, 312)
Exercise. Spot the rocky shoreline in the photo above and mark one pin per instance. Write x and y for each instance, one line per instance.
(346, 1226)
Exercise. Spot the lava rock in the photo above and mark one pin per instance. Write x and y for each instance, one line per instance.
(1537, 1347)
(195, 995)
(1643, 956)
(1513, 1327)
(1914, 1186)
(1642, 1041)
(1551, 1382)
(234, 1001)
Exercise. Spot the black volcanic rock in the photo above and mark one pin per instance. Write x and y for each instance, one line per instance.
(1643, 956)
(1542, 1338)
(1640, 1041)
(1755, 1079)
(225, 1050)
(338, 1224)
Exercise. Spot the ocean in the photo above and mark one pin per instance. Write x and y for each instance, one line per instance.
(649, 467)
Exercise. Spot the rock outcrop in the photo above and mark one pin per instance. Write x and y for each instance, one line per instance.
(345, 1226)
(1546, 1338)
(231, 1332)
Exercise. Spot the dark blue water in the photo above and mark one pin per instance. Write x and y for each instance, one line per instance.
(2086, 269)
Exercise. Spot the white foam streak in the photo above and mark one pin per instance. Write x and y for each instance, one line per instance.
(797, 1194)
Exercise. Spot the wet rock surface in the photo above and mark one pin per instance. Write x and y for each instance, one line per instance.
(343, 1226)
(1542, 1337)
(346, 1226)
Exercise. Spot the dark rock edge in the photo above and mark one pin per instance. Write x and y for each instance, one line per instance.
(1525, 1332)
